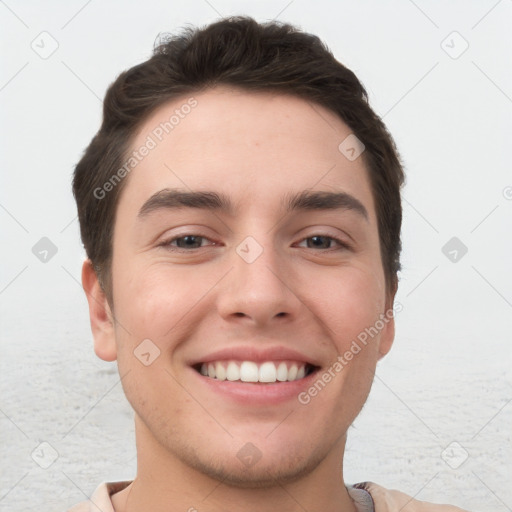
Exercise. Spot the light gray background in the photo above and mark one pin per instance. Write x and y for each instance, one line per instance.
(448, 378)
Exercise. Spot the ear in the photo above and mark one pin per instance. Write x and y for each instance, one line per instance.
(387, 334)
(102, 319)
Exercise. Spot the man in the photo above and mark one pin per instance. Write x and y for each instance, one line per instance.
(240, 209)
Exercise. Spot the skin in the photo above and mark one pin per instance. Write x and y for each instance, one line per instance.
(257, 149)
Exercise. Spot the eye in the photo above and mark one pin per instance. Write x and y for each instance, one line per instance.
(187, 242)
(322, 242)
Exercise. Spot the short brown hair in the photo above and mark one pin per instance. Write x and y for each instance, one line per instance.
(253, 56)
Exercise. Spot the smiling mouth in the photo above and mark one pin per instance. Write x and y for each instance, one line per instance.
(267, 372)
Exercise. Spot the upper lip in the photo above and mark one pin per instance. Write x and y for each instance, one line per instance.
(256, 354)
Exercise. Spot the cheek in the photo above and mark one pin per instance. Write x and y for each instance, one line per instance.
(151, 300)
(161, 304)
(149, 308)
(347, 304)
(144, 314)
(349, 310)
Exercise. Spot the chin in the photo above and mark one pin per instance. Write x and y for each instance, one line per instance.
(251, 469)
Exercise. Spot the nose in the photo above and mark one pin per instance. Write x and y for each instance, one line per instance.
(258, 291)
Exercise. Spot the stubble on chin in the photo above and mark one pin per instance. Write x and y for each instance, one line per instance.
(269, 471)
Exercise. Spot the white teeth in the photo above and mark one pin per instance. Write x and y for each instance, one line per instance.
(249, 371)
(220, 372)
(233, 372)
(268, 372)
(282, 372)
(292, 372)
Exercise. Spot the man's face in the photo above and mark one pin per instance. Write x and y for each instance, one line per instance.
(270, 274)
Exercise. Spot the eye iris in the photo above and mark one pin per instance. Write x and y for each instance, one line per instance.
(322, 242)
(189, 241)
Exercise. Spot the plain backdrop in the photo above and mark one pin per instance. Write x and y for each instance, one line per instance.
(437, 424)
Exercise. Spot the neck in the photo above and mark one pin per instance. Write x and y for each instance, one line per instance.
(165, 483)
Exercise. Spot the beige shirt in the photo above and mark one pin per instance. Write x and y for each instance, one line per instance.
(367, 497)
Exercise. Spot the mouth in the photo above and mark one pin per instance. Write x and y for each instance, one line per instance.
(266, 372)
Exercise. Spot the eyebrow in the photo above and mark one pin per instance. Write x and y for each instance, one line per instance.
(172, 198)
(305, 200)
(308, 200)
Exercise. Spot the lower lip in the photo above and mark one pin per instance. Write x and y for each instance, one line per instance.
(257, 393)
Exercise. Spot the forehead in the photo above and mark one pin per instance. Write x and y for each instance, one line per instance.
(250, 145)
